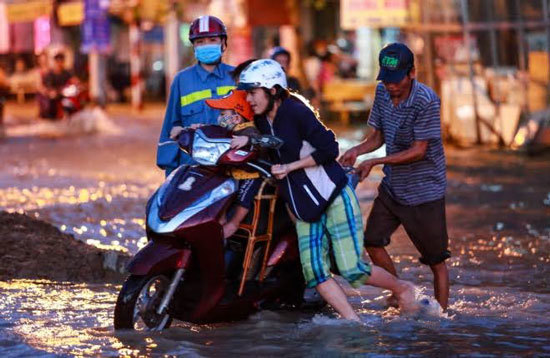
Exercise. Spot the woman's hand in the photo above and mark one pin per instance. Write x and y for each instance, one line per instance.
(239, 141)
(280, 170)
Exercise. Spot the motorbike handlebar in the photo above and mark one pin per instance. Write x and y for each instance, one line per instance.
(264, 162)
(261, 166)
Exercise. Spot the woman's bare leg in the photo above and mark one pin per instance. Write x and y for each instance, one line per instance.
(331, 291)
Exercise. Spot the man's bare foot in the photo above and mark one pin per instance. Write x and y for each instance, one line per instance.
(406, 297)
(392, 301)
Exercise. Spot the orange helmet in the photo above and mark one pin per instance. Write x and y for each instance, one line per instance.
(235, 100)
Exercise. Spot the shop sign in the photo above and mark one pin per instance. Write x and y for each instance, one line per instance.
(96, 29)
(70, 14)
(28, 11)
(373, 13)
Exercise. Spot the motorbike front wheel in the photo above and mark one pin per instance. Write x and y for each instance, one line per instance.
(138, 301)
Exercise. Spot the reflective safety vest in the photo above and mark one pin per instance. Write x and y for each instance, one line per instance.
(186, 106)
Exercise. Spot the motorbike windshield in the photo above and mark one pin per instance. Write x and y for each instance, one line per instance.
(207, 151)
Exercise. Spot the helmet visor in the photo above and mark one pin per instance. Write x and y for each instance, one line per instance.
(248, 85)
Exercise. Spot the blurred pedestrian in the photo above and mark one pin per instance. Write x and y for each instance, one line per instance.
(283, 57)
(40, 71)
(208, 78)
(406, 117)
(312, 71)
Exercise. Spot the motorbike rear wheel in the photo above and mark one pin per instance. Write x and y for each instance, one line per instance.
(138, 301)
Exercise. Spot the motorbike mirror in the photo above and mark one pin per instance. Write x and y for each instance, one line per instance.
(267, 141)
(185, 139)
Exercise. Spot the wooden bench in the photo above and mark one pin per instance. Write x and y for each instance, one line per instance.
(346, 96)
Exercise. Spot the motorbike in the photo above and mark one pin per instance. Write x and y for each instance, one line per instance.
(187, 271)
(72, 99)
(68, 100)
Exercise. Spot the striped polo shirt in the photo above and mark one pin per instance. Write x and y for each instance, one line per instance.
(415, 119)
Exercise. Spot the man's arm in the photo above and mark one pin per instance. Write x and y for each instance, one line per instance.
(168, 151)
(371, 143)
(416, 152)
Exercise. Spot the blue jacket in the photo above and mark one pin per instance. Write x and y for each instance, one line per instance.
(186, 106)
(308, 191)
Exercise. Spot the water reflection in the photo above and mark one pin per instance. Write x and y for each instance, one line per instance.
(87, 213)
(500, 295)
(76, 319)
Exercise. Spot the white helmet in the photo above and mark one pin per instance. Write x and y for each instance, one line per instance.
(262, 73)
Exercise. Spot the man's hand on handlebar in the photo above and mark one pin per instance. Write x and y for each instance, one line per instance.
(175, 132)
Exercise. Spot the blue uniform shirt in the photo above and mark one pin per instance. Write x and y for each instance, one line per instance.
(415, 119)
(186, 106)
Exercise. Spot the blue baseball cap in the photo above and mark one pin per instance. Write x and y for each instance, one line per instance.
(395, 62)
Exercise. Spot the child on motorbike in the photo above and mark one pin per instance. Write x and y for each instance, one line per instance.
(236, 115)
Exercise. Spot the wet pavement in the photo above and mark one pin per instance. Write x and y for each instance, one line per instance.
(95, 187)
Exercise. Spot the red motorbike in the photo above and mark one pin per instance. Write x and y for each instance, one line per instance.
(72, 99)
(187, 271)
(62, 103)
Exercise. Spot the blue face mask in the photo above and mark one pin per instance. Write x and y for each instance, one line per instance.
(208, 54)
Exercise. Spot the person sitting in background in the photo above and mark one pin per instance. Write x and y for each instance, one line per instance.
(283, 57)
(22, 80)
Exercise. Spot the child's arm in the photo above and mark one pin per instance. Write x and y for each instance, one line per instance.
(239, 141)
(248, 188)
(241, 138)
(251, 136)
(230, 227)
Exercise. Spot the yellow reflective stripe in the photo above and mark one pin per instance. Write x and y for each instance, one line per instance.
(224, 90)
(195, 96)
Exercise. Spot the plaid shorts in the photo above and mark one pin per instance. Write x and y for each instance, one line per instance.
(341, 227)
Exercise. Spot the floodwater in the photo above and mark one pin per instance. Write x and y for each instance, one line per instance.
(95, 187)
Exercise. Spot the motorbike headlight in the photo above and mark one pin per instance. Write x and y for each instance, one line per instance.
(207, 151)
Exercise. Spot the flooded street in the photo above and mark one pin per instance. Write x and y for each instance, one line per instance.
(95, 188)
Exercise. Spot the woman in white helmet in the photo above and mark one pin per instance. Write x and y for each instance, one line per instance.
(316, 189)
